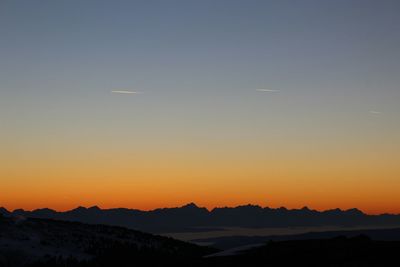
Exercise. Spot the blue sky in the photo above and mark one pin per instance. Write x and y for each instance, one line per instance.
(332, 67)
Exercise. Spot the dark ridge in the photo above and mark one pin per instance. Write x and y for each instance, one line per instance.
(190, 206)
(4, 211)
(191, 217)
(40, 242)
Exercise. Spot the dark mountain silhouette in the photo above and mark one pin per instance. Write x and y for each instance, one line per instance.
(4, 212)
(193, 218)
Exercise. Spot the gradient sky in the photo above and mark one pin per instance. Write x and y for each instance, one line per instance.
(325, 133)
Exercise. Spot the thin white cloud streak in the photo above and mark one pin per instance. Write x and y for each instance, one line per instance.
(267, 90)
(375, 112)
(124, 92)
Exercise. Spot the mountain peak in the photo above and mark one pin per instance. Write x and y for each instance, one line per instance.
(190, 206)
(355, 211)
(18, 211)
(80, 208)
(4, 211)
(44, 210)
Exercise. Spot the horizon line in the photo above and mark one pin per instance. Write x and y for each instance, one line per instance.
(197, 206)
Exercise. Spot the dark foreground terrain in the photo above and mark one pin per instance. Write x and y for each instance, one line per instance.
(230, 242)
(39, 242)
(339, 251)
(44, 242)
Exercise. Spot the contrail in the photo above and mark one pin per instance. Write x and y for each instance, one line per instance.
(375, 112)
(124, 92)
(267, 90)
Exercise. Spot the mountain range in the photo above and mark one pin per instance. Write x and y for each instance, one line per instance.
(191, 218)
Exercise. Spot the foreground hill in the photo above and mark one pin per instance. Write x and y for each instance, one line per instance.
(193, 218)
(49, 243)
(26, 242)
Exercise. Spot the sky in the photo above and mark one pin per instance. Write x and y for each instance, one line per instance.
(146, 104)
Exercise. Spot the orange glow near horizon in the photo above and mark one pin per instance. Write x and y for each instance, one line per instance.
(129, 193)
(210, 178)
